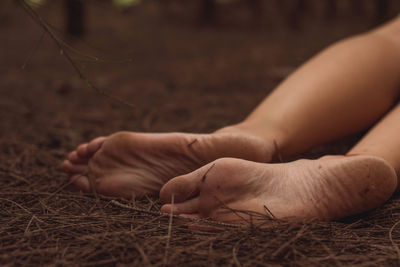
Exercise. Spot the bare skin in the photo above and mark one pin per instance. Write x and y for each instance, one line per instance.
(347, 88)
(133, 164)
(383, 140)
(344, 89)
(328, 188)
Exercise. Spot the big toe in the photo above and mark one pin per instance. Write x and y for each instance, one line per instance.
(186, 186)
(179, 188)
(95, 145)
(208, 177)
(81, 182)
(87, 150)
(81, 151)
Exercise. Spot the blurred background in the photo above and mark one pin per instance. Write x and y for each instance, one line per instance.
(293, 13)
(186, 65)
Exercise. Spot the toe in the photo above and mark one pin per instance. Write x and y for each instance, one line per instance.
(65, 166)
(81, 150)
(181, 187)
(71, 168)
(81, 182)
(187, 207)
(84, 151)
(185, 186)
(95, 145)
(208, 178)
(75, 159)
(211, 201)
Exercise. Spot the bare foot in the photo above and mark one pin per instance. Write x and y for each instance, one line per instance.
(129, 164)
(327, 188)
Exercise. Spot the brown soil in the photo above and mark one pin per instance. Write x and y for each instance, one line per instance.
(184, 77)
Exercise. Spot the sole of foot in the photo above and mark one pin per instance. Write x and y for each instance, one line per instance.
(238, 191)
(128, 164)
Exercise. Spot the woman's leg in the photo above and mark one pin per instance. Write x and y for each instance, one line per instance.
(343, 90)
(383, 140)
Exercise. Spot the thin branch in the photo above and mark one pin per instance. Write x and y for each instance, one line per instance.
(290, 241)
(269, 212)
(236, 212)
(42, 23)
(86, 43)
(234, 254)
(205, 174)
(395, 246)
(191, 143)
(33, 50)
(174, 216)
(143, 254)
(165, 260)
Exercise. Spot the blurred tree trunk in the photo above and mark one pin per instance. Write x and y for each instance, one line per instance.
(75, 17)
(331, 9)
(208, 11)
(358, 7)
(256, 6)
(382, 10)
(297, 13)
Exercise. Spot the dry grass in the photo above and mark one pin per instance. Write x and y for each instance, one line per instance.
(42, 222)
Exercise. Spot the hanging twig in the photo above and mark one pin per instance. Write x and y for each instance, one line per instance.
(165, 260)
(33, 50)
(42, 23)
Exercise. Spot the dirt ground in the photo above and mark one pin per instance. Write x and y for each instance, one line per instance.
(184, 76)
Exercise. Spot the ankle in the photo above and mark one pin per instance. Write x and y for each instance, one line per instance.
(273, 137)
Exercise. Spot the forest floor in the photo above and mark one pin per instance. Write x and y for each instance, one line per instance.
(183, 77)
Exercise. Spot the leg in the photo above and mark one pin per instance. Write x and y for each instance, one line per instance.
(343, 90)
(383, 140)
